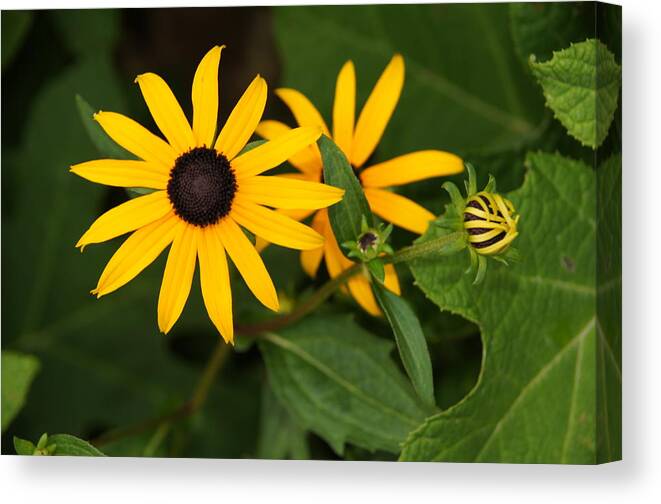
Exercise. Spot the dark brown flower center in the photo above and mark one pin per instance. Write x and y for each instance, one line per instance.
(202, 186)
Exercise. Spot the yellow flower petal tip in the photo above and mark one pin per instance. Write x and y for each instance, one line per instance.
(274, 304)
(142, 76)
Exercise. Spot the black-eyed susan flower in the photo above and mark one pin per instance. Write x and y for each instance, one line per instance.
(488, 220)
(205, 191)
(358, 140)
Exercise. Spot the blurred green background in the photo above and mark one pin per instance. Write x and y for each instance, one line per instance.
(103, 363)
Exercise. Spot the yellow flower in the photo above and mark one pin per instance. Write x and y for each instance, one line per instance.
(205, 190)
(358, 140)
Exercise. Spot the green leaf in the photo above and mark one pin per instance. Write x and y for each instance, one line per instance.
(483, 84)
(23, 447)
(581, 85)
(539, 28)
(535, 400)
(339, 381)
(18, 371)
(15, 27)
(279, 436)
(59, 444)
(410, 340)
(347, 215)
(105, 145)
(66, 444)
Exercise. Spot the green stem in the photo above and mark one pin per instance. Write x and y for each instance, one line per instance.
(188, 408)
(426, 249)
(302, 309)
(436, 247)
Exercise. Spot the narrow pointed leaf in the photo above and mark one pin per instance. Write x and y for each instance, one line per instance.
(410, 339)
(345, 216)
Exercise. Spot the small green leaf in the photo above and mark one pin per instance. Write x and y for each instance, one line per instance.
(410, 340)
(340, 382)
(15, 26)
(581, 85)
(279, 436)
(104, 144)
(67, 444)
(23, 447)
(18, 371)
(347, 215)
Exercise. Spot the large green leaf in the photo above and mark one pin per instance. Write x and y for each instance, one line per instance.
(18, 371)
(581, 85)
(339, 381)
(535, 400)
(482, 85)
(540, 28)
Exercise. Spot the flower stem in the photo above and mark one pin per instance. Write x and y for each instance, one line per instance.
(438, 246)
(302, 309)
(443, 245)
(194, 404)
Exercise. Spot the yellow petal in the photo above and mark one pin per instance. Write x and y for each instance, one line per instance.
(305, 113)
(273, 226)
(399, 210)
(377, 111)
(307, 160)
(274, 152)
(248, 262)
(243, 120)
(344, 107)
(296, 214)
(310, 259)
(126, 217)
(215, 281)
(283, 192)
(136, 139)
(361, 290)
(136, 253)
(391, 281)
(336, 263)
(412, 167)
(166, 112)
(178, 277)
(123, 173)
(205, 98)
